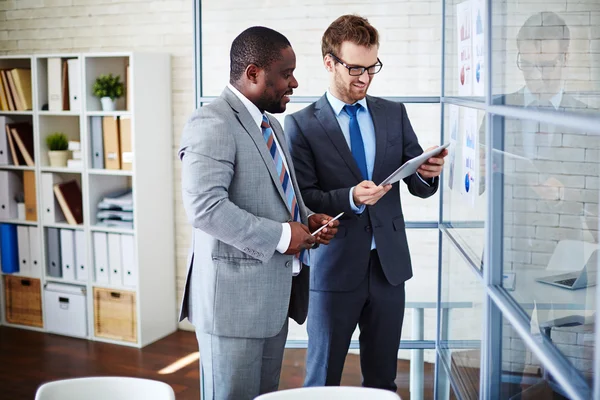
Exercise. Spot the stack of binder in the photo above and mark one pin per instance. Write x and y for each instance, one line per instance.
(63, 84)
(15, 89)
(116, 210)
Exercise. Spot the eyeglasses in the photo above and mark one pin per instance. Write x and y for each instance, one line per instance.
(542, 65)
(356, 70)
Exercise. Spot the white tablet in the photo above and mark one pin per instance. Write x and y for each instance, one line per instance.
(412, 165)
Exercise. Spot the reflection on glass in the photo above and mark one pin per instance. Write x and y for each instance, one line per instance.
(524, 377)
(550, 176)
(545, 59)
(464, 203)
(461, 323)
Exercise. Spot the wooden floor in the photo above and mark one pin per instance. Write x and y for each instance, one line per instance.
(28, 359)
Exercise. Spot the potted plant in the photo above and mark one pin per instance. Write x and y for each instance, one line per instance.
(58, 146)
(108, 88)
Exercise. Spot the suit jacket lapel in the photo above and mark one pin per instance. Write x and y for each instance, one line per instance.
(380, 123)
(255, 133)
(324, 113)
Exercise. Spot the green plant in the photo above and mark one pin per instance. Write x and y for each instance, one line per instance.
(108, 86)
(57, 141)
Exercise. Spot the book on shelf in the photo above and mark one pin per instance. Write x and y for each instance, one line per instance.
(68, 195)
(16, 156)
(22, 134)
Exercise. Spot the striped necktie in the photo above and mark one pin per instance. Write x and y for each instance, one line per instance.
(284, 177)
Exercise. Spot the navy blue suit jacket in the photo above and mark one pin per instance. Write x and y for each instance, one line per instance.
(326, 170)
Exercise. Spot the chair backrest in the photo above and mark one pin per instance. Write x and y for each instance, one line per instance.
(105, 387)
(330, 393)
(571, 255)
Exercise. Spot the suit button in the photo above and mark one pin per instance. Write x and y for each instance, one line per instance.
(368, 229)
(288, 264)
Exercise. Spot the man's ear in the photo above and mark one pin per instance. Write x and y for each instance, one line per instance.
(252, 73)
(329, 63)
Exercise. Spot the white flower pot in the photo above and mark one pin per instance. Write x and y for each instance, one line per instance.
(58, 158)
(108, 104)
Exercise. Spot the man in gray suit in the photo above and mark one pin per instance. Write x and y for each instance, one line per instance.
(245, 272)
(343, 146)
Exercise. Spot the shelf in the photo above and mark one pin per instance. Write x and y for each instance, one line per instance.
(113, 172)
(17, 167)
(18, 222)
(19, 275)
(60, 113)
(61, 170)
(113, 287)
(16, 112)
(50, 279)
(118, 113)
(106, 229)
(64, 225)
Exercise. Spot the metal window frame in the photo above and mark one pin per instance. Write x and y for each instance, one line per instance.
(498, 303)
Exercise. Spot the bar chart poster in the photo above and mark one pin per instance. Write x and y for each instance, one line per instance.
(478, 40)
(465, 48)
(470, 157)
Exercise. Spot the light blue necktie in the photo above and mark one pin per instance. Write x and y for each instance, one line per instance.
(357, 145)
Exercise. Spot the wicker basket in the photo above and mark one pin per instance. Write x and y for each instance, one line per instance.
(115, 314)
(23, 301)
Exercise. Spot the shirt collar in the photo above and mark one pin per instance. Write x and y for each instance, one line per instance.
(338, 105)
(530, 98)
(255, 113)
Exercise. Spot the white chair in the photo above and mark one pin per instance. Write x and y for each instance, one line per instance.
(330, 393)
(105, 387)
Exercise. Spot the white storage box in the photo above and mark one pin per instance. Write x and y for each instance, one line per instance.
(66, 310)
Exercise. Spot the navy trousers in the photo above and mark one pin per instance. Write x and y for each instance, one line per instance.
(378, 309)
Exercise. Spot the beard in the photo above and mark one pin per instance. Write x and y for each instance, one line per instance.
(347, 92)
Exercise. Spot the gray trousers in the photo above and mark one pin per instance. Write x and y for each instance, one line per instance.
(239, 368)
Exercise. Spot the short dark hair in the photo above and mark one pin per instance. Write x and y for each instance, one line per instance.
(545, 26)
(257, 45)
(351, 28)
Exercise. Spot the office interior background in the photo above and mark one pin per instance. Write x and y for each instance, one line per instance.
(510, 208)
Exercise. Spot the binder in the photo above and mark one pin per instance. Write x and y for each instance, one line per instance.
(81, 270)
(68, 195)
(100, 257)
(55, 84)
(13, 91)
(22, 79)
(3, 98)
(97, 142)
(112, 145)
(14, 153)
(129, 261)
(126, 146)
(9, 95)
(67, 254)
(30, 195)
(10, 185)
(52, 212)
(35, 258)
(115, 262)
(5, 155)
(9, 250)
(54, 268)
(74, 84)
(23, 246)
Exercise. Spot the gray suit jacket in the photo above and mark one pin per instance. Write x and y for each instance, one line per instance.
(237, 284)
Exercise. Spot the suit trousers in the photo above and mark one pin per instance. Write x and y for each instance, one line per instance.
(240, 368)
(378, 309)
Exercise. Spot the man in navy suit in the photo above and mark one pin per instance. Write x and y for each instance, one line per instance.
(342, 147)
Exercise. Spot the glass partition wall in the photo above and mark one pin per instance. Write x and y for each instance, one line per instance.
(505, 254)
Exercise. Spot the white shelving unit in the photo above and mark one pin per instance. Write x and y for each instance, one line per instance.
(153, 315)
